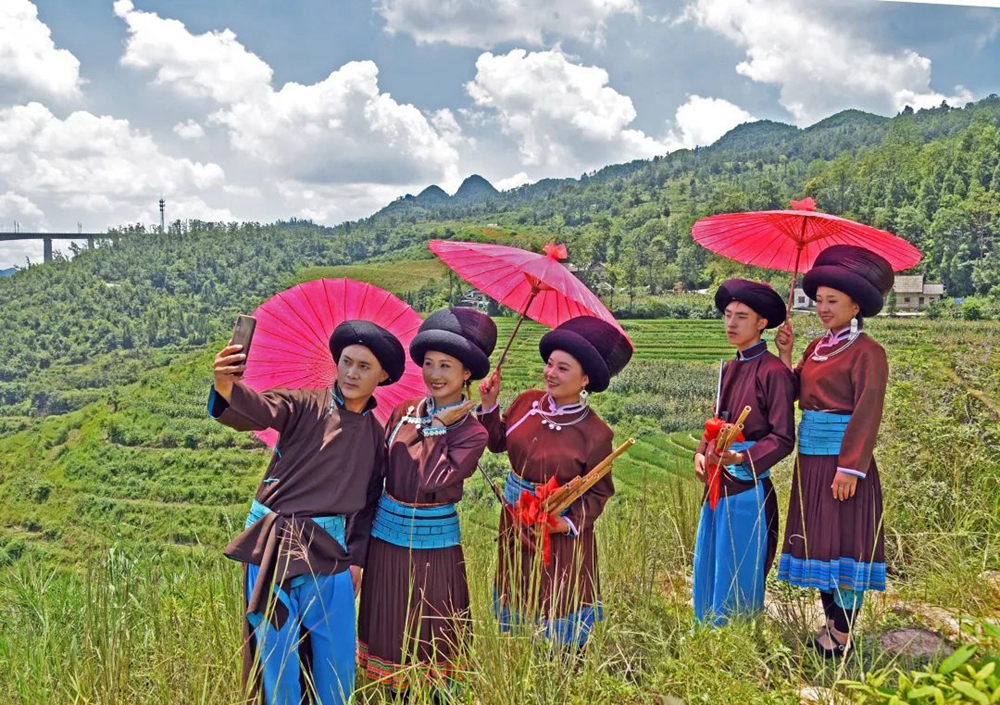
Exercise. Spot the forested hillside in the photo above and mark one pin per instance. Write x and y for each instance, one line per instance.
(117, 492)
(932, 176)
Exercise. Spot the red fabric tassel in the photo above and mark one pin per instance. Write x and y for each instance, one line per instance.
(556, 252)
(713, 427)
(529, 512)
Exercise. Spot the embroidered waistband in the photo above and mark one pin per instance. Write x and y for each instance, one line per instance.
(416, 526)
(822, 432)
(334, 524)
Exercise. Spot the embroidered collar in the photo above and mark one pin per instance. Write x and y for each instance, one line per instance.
(414, 416)
(753, 352)
(337, 397)
(432, 408)
(553, 415)
(838, 335)
(554, 409)
(834, 342)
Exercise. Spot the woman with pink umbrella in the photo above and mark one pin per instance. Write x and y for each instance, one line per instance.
(834, 538)
(554, 435)
(414, 597)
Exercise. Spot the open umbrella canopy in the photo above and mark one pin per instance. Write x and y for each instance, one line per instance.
(791, 240)
(535, 285)
(517, 278)
(291, 343)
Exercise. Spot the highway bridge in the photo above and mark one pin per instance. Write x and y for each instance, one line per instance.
(47, 239)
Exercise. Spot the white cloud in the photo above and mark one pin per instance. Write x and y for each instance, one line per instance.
(213, 65)
(28, 56)
(702, 121)
(343, 129)
(512, 182)
(189, 130)
(334, 203)
(818, 63)
(242, 191)
(486, 23)
(562, 115)
(14, 206)
(963, 3)
(95, 166)
(565, 117)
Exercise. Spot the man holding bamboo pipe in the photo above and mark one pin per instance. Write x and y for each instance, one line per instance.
(738, 531)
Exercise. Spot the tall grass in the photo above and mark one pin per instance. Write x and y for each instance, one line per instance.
(112, 589)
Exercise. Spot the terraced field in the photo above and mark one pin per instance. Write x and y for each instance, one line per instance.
(397, 277)
(147, 464)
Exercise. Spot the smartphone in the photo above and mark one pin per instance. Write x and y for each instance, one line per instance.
(243, 333)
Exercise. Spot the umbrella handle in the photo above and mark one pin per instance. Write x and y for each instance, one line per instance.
(795, 277)
(520, 320)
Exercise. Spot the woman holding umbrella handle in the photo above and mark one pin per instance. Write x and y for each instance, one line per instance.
(834, 538)
(554, 434)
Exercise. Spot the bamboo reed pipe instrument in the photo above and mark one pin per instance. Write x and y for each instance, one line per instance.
(560, 500)
(730, 432)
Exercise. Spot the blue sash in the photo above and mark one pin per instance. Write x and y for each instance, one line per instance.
(822, 432)
(743, 472)
(416, 527)
(334, 524)
(514, 485)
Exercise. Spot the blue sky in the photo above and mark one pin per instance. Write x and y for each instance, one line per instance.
(255, 110)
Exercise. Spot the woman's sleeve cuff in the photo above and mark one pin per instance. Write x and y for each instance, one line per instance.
(572, 527)
(849, 471)
(480, 411)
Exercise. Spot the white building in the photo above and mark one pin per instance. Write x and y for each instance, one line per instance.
(801, 302)
(912, 294)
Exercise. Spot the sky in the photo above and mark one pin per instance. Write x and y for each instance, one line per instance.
(259, 110)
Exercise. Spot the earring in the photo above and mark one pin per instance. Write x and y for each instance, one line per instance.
(584, 397)
(854, 326)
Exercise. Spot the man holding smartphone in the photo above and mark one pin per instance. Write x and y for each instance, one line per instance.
(306, 537)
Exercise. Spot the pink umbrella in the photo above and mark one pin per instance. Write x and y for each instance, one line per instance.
(291, 343)
(537, 286)
(790, 240)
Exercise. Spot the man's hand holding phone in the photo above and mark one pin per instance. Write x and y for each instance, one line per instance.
(230, 364)
(231, 361)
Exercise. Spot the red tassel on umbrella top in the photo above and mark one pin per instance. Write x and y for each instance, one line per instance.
(556, 252)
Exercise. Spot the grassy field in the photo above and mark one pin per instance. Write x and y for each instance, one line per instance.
(397, 277)
(113, 589)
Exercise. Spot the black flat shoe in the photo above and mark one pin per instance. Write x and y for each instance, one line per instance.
(838, 651)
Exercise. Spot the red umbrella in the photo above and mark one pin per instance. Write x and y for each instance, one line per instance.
(537, 286)
(790, 240)
(291, 343)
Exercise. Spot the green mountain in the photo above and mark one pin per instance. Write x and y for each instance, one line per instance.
(432, 196)
(475, 189)
(932, 176)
